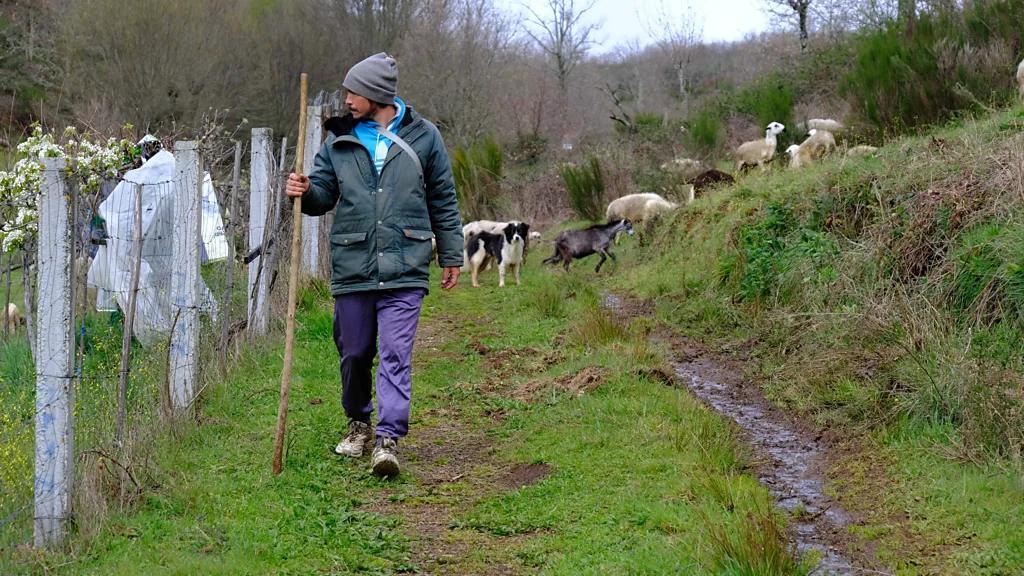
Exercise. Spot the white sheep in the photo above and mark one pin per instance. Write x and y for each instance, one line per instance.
(861, 151)
(819, 142)
(687, 168)
(759, 151)
(799, 156)
(481, 226)
(815, 146)
(827, 124)
(14, 318)
(637, 208)
(1020, 78)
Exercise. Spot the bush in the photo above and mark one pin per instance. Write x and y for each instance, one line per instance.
(770, 100)
(478, 171)
(704, 133)
(955, 62)
(585, 186)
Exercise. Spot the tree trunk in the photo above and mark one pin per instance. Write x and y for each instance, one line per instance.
(908, 13)
(639, 89)
(802, 11)
(683, 96)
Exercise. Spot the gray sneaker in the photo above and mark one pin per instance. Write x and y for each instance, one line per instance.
(384, 461)
(359, 434)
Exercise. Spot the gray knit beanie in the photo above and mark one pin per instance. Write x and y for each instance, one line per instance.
(375, 78)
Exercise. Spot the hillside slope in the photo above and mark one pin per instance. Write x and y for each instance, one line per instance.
(882, 298)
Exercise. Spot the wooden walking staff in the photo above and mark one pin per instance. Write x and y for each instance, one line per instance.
(293, 282)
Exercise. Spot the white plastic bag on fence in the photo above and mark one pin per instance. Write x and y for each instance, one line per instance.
(111, 269)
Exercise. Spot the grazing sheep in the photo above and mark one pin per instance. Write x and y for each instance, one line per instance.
(1020, 78)
(637, 208)
(861, 151)
(829, 125)
(819, 142)
(799, 156)
(687, 168)
(582, 243)
(814, 147)
(707, 179)
(759, 151)
(14, 318)
(481, 226)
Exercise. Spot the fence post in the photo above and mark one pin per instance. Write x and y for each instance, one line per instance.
(186, 255)
(311, 224)
(273, 232)
(54, 469)
(260, 171)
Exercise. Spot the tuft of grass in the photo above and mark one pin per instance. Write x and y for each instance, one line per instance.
(757, 547)
(599, 326)
(550, 300)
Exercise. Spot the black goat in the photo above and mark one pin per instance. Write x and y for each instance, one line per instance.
(582, 243)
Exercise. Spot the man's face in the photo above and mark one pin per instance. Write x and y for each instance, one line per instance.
(361, 107)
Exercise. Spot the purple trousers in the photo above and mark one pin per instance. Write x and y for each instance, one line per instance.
(359, 319)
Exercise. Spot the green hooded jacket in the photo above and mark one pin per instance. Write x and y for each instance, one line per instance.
(380, 238)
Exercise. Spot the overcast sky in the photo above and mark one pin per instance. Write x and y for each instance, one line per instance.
(724, 20)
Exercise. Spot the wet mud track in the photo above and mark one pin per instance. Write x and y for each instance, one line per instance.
(790, 456)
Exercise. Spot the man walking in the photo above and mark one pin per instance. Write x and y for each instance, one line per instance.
(388, 171)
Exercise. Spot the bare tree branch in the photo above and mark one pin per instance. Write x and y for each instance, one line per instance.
(676, 35)
(563, 37)
(792, 11)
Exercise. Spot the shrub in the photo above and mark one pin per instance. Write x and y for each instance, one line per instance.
(478, 171)
(770, 100)
(704, 133)
(955, 61)
(585, 186)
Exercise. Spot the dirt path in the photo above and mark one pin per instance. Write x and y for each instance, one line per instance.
(454, 464)
(791, 456)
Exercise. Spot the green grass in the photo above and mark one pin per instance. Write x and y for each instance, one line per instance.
(879, 297)
(625, 493)
(17, 284)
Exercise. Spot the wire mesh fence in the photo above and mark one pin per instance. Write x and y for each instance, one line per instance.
(126, 267)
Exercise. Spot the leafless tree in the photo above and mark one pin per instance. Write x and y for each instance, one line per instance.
(793, 11)
(379, 24)
(833, 19)
(563, 36)
(454, 63)
(677, 35)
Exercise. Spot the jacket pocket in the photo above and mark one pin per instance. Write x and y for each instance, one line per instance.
(350, 257)
(416, 251)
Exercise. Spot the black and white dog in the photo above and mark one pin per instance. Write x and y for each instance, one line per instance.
(506, 247)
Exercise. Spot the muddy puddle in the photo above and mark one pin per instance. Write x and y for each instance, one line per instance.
(791, 461)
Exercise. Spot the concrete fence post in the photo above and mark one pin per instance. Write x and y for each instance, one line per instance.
(186, 255)
(55, 455)
(261, 169)
(311, 224)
